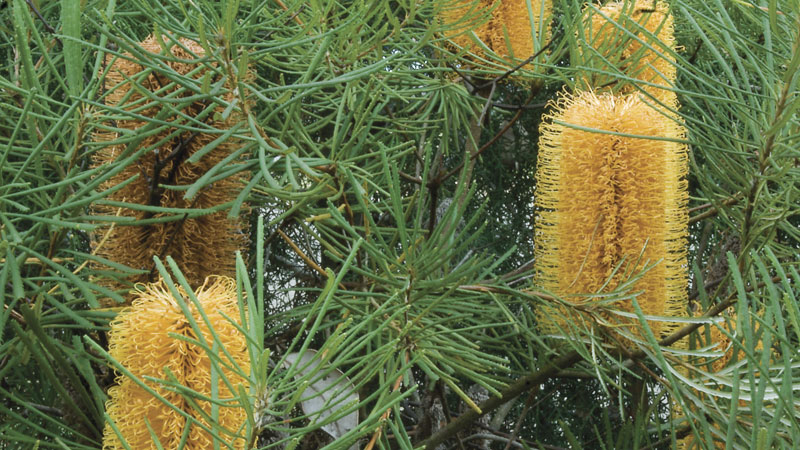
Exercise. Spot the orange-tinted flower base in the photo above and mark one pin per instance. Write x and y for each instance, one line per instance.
(203, 245)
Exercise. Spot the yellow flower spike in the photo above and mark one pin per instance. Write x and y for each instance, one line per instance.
(204, 245)
(139, 339)
(621, 25)
(513, 18)
(463, 17)
(509, 32)
(601, 197)
(722, 342)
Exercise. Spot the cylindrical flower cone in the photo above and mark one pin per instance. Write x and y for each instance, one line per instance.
(646, 57)
(140, 340)
(203, 245)
(601, 196)
(510, 31)
(516, 27)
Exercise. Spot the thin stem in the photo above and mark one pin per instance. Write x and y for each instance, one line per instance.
(517, 67)
(300, 253)
(764, 161)
(485, 146)
(520, 420)
(713, 209)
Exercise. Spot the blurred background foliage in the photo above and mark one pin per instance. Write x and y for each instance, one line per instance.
(391, 217)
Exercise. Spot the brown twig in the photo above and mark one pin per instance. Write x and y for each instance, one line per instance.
(680, 433)
(301, 254)
(528, 443)
(41, 18)
(517, 67)
(709, 205)
(486, 145)
(100, 245)
(524, 384)
(155, 191)
(518, 107)
(713, 209)
(178, 227)
(410, 178)
(500, 290)
(285, 8)
(765, 161)
(696, 51)
(15, 315)
(518, 426)
(434, 188)
(519, 270)
(440, 392)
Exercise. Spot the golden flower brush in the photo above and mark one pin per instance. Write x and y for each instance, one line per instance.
(510, 31)
(143, 339)
(610, 187)
(633, 39)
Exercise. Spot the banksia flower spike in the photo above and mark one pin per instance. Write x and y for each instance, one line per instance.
(516, 27)
(511, 31)
(724, 343)
(140, 341)
(604, 196)
(635, 38)
(463, 17)
(201, 245)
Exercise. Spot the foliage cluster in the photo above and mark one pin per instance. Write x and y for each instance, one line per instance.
(390, 184)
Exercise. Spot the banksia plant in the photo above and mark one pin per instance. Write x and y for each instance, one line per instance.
(137, 96)
(633, 38)
(512, 31)
(608, 195)
(153, 338)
